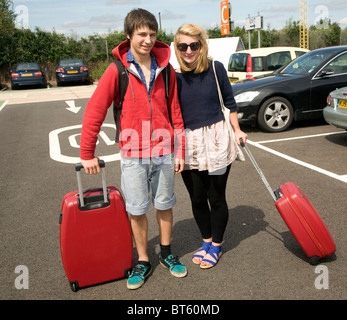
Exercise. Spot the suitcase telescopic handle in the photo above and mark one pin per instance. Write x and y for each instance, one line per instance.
(255, 164)
(78, 167)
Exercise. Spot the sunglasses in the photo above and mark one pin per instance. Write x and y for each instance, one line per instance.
(184, 47)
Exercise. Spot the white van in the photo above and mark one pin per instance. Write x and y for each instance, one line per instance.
(256, 62)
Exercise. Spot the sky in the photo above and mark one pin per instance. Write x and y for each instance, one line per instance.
(83, 18)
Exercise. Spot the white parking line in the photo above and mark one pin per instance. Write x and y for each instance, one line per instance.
(3, 105)
(302, 137)
(342, 178)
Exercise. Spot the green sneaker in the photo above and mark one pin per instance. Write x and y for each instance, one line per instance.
(138, 275)
(176, 267)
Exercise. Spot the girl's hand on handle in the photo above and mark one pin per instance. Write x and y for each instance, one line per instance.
(240, 136)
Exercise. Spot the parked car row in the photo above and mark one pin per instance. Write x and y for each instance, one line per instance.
(303, 88)
(296, 91)
(31, 74)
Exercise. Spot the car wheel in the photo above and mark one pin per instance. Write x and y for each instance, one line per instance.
(275, 115)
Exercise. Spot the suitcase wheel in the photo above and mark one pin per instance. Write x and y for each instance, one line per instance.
(314, 260)
(74, 286)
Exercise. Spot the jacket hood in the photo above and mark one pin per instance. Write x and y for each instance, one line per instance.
(160, 50)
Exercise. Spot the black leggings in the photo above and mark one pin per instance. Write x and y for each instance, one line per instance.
(207, 194)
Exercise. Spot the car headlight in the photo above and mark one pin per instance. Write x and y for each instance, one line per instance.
(246, 96)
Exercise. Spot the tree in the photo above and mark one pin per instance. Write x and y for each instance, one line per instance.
(292, 33)
(7, 27)
(328, 35)
(333, 35)
(269, 37)
(214, 33)
(343, 37)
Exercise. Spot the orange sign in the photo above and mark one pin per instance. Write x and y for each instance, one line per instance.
(225, 18)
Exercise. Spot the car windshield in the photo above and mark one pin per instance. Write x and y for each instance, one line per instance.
(238, 62)
(71, 63)
(27, 66)
(304, 64)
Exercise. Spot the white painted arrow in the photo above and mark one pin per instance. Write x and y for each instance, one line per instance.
(72, 107)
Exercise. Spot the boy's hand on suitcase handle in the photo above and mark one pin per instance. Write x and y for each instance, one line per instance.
(91, 166)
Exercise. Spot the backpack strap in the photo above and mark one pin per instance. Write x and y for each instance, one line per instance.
(122, 88)
(166, 76)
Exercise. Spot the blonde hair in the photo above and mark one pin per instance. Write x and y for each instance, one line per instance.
(203, 61)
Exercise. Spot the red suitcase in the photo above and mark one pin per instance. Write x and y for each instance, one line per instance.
(301, 217)
(95, 236)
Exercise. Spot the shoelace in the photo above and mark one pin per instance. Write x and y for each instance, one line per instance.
(138, 270)
(173, 260)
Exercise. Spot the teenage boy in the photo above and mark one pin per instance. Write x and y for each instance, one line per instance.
(149, 156)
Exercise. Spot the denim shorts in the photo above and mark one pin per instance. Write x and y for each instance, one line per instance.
(140, 176)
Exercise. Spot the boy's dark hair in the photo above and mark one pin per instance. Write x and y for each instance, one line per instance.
(139, 18)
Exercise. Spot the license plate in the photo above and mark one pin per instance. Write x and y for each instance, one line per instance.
(27, 74)
(342, 104)
(72, 71)
(233, 80)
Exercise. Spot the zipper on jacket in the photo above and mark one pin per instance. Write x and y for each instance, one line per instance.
(158, 71)
(151, 111)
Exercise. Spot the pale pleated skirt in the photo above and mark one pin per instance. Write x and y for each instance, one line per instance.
(210, 148)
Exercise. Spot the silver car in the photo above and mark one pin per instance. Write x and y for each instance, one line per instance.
(335, 112)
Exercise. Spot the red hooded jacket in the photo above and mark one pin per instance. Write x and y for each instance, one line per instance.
(145, 128)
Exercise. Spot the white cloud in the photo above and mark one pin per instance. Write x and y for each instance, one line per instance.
(76, 24)
(343, 21)
(101, 21)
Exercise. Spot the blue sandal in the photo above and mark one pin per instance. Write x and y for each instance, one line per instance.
(216, 253)
(205, 247)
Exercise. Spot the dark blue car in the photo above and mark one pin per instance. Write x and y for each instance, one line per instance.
(28, 74)
(71, 70)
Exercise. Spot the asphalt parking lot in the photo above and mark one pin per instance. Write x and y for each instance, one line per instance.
(261, 259)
